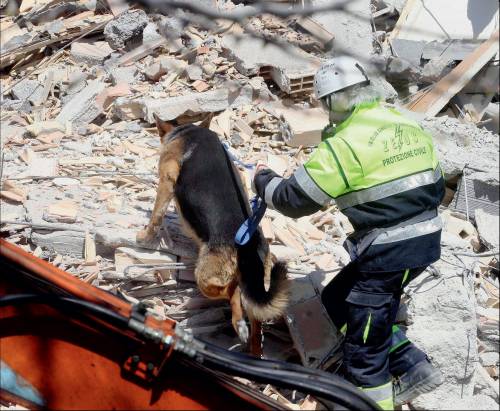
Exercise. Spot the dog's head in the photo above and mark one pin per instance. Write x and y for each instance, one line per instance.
(166, 127)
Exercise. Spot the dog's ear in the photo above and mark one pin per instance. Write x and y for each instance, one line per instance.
(207, 120)
(164, 127)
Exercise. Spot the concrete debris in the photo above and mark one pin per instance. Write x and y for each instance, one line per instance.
(291, 69)
(80, 154)
(90, 53)
(82, 108)
(126, 29)
(125, 75)
(302, 127)
(436, 69)
(460, 144)
(30, 90)
(487, 226)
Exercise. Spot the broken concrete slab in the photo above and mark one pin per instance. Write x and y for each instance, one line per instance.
(150, 32)
(460, 228)
(91, 53)
(302, 126)
(154, 71)
(194, 72)
(488, 228)
(191, 104)
(126, 29)
(82, 108)
(172, 107)
(291, 68)
(351, 26)
(401, 70)
(126, 75)
(22, 106)
(41, 127)
(282, 252)
(30, 90)
(436, 69)
(60, 242)
(12, 212)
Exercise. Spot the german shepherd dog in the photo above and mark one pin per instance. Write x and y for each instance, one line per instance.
(195, 169)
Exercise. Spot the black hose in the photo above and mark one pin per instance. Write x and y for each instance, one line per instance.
(343, 394)
(271, 364)
(104, 313)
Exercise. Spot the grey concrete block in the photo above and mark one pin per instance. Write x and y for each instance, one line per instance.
(125, 28)
(82, 108)
(288, 66)
(351, 26)
(123, 75)
(90, 53)
(488, 228)
(60, 242)
(442, 318)
(30, 90)
(22, 106)
(191, 104)
(402, 70)
(194, 72)
(150, 32)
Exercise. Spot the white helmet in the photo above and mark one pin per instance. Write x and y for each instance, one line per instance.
(337, 74)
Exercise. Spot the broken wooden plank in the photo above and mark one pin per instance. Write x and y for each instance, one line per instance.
(89, 253)
(139, 52)
(440, 94)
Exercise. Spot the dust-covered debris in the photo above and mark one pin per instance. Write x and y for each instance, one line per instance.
(81, 86)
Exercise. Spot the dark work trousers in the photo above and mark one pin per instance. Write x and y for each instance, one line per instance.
(367, 303)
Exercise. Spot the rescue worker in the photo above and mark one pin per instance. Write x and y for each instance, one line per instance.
(382, 171)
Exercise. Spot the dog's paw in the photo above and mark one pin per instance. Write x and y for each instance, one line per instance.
(242, 331)
(145, 236)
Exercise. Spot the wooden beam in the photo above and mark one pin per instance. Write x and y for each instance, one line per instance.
(440, 94)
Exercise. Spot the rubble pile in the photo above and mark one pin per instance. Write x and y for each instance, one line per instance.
(81, 85)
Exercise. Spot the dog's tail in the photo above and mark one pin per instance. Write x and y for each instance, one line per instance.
(260, 304)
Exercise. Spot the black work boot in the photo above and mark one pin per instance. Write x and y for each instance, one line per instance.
(419, 379)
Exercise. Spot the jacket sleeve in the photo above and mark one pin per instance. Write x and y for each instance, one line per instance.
(284, 195)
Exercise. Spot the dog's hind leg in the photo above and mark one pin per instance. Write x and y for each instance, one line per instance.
(238, 321)
(256, 338)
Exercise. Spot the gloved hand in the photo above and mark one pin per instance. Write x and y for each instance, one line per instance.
(259, 167)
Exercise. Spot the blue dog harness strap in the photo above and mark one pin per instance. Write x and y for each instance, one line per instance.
(250, 225)
(236, 160)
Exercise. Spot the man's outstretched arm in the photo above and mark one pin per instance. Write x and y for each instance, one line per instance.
(285, 194)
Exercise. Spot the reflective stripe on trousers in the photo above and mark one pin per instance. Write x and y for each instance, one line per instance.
(398, 337)
(382, 395)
